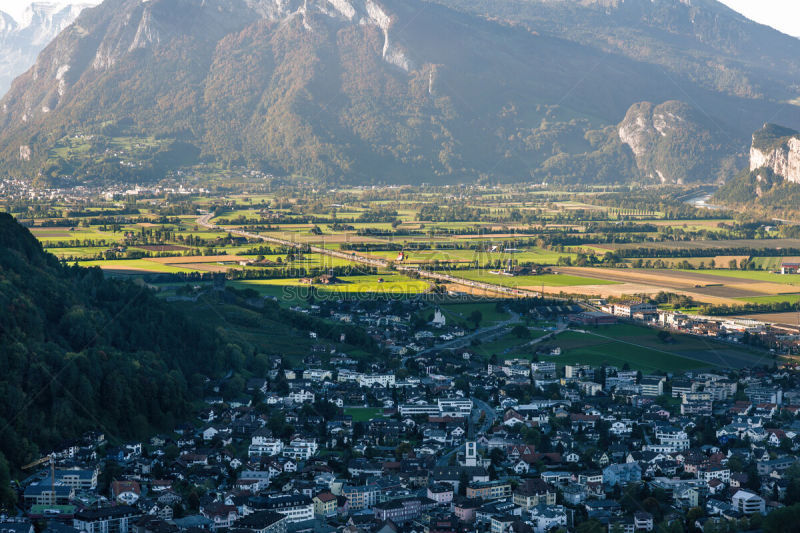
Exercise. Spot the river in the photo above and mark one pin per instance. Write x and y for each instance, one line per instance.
(702, 201)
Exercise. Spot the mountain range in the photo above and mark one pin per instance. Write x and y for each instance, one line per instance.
(591, 91)
(22, 37)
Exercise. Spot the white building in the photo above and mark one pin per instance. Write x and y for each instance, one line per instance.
(543, 368)
(590, 388)
(461, 406)
(652, 385)
(300, 449)
(546, 518)
(295, 507)
(577, 371)
(470, 453)
(264, 446)
(301, 396)
(369, 380)
(747, 502)
(672, 438)
(317, 374)
(628, 309)
(415, 409)
(720, 473)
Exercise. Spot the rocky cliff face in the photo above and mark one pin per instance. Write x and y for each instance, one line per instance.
(22, 38)
(674, 143)
(778, 149)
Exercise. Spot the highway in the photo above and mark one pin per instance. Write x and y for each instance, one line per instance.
(205, 222)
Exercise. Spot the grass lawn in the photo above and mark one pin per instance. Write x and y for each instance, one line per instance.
(248, 327)
(281, 292)
(772, 299)
(363, 414)
(589, 349)
(461, 312)
(640, 347)
(508, 346)
(758, 275)
(502, 347)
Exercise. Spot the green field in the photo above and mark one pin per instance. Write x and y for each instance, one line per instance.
(758, 275)
(87, 252)
(54, 235)
(532, 255)
(640, 347)
(247, 327)
(772, 299)
(363, 414)
(461, 312)
(587, 349)
(509, 346)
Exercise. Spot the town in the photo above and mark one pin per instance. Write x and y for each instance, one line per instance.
(427, 371)
(399, 266)
(440, 438)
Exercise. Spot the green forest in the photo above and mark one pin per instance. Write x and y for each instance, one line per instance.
(81, 352)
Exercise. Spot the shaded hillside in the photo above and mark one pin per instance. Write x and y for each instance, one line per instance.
(360, 91)
(80, 352)
(702, 41)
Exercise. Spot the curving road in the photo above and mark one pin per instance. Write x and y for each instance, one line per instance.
(490, 416)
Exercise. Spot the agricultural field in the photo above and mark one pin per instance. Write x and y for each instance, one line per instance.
(134, 266)
(389, 285)
(55, 235)
(715, 287)
(532, 282)
(791, 298)
(579, 234)
(481, 257)
(756, 275)
(88, 252)
(758, 244)
(641, 349)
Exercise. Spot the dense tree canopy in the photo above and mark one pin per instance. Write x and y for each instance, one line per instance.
(80, 352)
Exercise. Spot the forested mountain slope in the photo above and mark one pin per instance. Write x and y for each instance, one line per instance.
(79, 352)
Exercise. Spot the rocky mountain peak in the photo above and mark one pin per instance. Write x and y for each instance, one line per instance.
(661, 135)
(778, 149)
(23, 35)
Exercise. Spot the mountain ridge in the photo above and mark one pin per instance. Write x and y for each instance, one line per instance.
(23, 37)
(365, 91)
